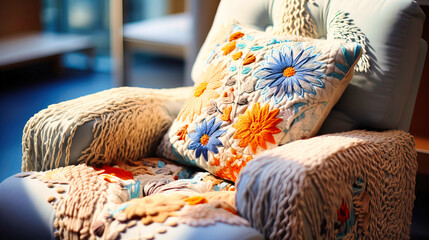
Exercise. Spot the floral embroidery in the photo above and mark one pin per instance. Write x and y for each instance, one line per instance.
(270, 91)
(256, 48)
(113, 171)
(241, 45)
(250, 58)
(343, 27)
(205, 138)
(237, 55)
(195, 200)
(183, 132)
(343, 213)
(257, 126)
(215, 162)
(226, 114)
(204, 91)
(232, 166)
(229, 47)
(230, 171)
(235, 36)
(350, 60)
(246, 70)
(289, 71)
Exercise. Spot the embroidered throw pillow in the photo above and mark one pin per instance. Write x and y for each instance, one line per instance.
(255, 92)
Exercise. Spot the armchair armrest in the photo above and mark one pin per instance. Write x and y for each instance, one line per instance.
(120, 124)
(295, 191)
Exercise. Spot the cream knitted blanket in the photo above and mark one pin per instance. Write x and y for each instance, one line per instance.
(127, 124)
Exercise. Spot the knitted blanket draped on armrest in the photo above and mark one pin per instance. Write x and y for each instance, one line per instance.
(126, 123)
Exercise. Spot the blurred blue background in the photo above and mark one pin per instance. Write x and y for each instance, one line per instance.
(38, 69)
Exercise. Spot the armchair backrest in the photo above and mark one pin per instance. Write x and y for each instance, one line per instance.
(383, 90)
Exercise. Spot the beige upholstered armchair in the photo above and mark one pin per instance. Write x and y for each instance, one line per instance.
(92, 167)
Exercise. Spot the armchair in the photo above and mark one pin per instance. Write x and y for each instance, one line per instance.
(344, 183)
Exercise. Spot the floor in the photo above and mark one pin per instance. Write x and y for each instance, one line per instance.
(27, 90)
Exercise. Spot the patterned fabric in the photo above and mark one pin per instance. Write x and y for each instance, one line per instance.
(344, 27)
(346, 216)
(256, 93)
(151, 190)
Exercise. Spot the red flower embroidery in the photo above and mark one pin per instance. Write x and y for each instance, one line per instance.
(343, 213)
(117, 172)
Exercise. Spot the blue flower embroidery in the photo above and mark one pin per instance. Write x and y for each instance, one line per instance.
(205, 138)
(288, 71)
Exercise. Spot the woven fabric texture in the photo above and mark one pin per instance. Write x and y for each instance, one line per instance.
(385, 161)
(257, 91)
(153, 195)
(128, 123)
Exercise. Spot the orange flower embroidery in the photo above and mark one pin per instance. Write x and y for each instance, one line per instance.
(232, 167)
(228, 48)
(195, 200)
(226, 114)
(183, 132)
(235, 36)
(215, 162)
(230, 171)
(250, 58)
(113, 171)
(204, 91)
(237, 55)
(257, 126)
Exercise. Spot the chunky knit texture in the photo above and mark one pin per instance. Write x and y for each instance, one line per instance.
(296, 19)
(127, 125)
(76, 214)
(302, 184)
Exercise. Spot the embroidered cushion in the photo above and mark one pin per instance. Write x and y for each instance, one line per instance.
(256, 92)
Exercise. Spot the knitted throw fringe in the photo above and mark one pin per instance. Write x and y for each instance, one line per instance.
(127, 124)
(296, 19)
(301, 185)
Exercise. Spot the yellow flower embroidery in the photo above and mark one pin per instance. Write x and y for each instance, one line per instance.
(204, 91)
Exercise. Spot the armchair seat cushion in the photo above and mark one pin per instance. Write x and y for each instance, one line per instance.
(34, 205)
